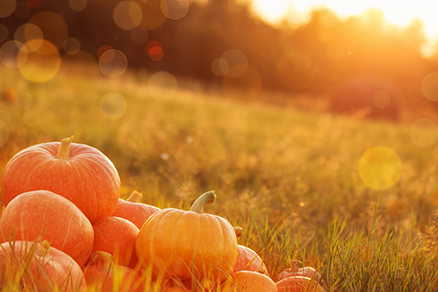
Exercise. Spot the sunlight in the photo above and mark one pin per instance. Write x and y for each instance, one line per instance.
(395, 12)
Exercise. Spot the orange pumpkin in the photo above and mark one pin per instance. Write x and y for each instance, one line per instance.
(43, 215)
(299, 284)
(78, 172)
(133, 210)
(188, 244)
(101, 274)
(294, 270)
(40, 266)
(116, 236)
(249, 260)
(249, 281)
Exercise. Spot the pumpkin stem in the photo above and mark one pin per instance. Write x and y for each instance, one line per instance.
(64, 149)
(204, 199)
(239, 231)
(135, 197)
(102, 259)
(44, 249)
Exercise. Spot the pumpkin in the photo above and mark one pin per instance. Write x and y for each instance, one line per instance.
(299, 284)
(295, 271)
(249, 281)
(133, 210)
(78, 172)
(101, 274)
(116, 236)
(44, 215)
(249, 260)
(28, 265)
(188, 244)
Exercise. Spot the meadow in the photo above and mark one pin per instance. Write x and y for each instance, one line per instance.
(290, 178)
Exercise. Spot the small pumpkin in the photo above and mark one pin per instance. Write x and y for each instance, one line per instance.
(249, 281)
(44, 215)
(188, 244)
(78, 172)
(249, 260)
(133, 210)
(299, 284)
(101, 274)
(28, 264)
(116, 236)
(294, 270)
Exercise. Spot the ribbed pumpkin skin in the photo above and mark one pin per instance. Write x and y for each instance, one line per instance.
(137, 213)
(54, 218)
(116, 236)
(87, 178)
(249, 260)
(298, 284)
(60, 269)
(186, 243)
(249, 281)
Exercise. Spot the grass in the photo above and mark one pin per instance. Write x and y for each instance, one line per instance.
(289, 178)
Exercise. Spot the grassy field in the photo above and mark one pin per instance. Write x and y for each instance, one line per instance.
(291, 179)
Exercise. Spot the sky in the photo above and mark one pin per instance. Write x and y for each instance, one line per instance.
(396, 12)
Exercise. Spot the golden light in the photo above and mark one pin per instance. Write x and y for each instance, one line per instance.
(396, 208)
(77, 5)
(113, 63)
(162, 82)
(13, 54)
(32, 118)
(25, 101)
(43, 63)
(113, 105)
(4, 134)
(245, 87)
(296, 71)
(381, 99)
(53, 27)
(28, 32)
(424, 132)
(10, 93)
(174, 9)
(7, 7)
(71, 46)
(233, 63)
(380, 168)
(434, 199)
(127, 15)
(153, 16)
(429, 86)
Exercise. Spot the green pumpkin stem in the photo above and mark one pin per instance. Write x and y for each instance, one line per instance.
(64, 149)
(135, 197)
(204, 199)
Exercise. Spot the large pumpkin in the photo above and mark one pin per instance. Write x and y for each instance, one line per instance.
(78, 172)
(27, 265)
(249, 260)
(43, 215)
(133, 210)
(188, 243)
(116, 236)
(249, 281)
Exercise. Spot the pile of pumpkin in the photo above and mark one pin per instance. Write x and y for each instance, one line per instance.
(64, 227)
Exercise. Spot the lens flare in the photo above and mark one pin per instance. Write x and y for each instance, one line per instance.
(71, 46)
(174, 9)
(113, 63)
(216, 68)
(233, 63)
(127, 15)
(424, 132)
(28, 32)
(153, 17)
(380, 168)
(7, 7)
(77, 5)
(10, 93)
(429, 86)
(42, 64)
(381, 99)
(52, 25)
(113, 105)
(162, 82)
(13, 54)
